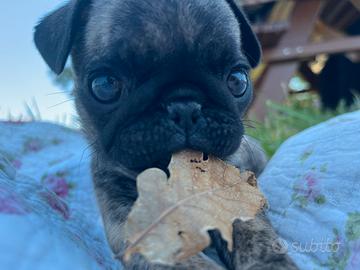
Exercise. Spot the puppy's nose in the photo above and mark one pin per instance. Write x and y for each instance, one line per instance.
(184, 114)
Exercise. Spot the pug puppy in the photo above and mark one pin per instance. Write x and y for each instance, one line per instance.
(153, 78)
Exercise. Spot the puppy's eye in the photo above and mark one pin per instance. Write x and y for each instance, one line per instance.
(238, 83)
(106, 88)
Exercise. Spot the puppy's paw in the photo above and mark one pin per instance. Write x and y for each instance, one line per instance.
(255, 247)
(198, 262)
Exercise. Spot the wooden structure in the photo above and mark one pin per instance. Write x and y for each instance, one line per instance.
(296, 31)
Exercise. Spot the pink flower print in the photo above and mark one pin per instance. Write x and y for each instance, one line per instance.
(307, 190)
(58, 205)
(33, 145)
(312, 191)
(17, 164)
(310, 180)
(57, 184)
(10, 204)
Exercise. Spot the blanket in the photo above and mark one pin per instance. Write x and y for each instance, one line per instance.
(48, 215)
(49, 218)
(313, 188)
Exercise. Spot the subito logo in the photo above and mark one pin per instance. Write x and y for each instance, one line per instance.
(280, 246)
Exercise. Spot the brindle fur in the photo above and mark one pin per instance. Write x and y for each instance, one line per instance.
(161, 50)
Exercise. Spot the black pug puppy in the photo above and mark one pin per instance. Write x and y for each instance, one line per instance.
(153, 78)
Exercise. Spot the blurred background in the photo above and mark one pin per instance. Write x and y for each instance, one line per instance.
(27, 89)
(311, 67)
(310, 71)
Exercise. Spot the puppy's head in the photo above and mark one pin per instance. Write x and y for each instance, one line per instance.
(155, 77)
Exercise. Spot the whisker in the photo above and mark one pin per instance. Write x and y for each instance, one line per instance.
(255, 123)
(59, 93)
(249, 126)
(123, 171)
(250, 150)
(72, 99)
(87, 148)
(116, 168)
(253, 146)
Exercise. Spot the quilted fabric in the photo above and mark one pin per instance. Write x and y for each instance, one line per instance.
(313, 188)
(49, 218)
(48, 215)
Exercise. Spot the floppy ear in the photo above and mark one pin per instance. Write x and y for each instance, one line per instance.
(250, 44)
(54, 35)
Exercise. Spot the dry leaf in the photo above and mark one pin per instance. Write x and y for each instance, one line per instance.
(171, 218)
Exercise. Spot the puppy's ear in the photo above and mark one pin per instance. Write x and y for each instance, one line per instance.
(54, 35)
(250, 44)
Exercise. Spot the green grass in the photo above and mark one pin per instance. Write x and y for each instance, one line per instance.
(299, 112)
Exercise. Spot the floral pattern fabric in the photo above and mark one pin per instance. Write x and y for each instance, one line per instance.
(313, 187)
(49, 218)
(48, 214)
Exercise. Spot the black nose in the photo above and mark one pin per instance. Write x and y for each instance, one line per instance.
(184, 114)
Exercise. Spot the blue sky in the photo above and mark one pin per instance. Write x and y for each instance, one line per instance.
(23, 74)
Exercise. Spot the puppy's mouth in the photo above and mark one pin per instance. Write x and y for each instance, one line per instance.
(153, 146)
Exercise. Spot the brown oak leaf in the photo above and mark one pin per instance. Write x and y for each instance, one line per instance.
(171, 218)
